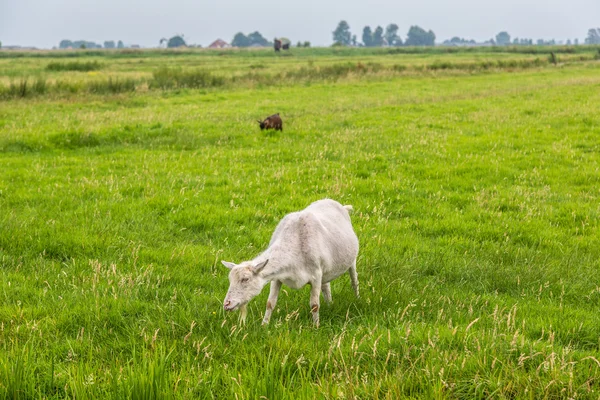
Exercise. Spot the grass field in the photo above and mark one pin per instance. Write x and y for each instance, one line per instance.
(475, 182)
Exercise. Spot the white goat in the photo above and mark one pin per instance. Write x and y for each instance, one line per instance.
(313, 246)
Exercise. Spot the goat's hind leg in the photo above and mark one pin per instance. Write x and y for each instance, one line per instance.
(354, 278)
(315, 294)
(326, 290)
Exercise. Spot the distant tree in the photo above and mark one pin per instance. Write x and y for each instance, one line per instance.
(593, 36)
(307, 44)
(162, 42)
(240, 40)
(576, 42)
(109, 44)
(176, 41)
(503, 38)
(65, 44)
(540, 42)
(417, 36)
(391, 35)
(354, 41)
(367, 36)
(378, 37)
(569, 42)
(255, 38)
(342, 34)
(120, 45)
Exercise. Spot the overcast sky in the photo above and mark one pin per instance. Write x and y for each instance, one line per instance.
(43, 23)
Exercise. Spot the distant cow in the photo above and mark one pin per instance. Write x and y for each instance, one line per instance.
(272, 122)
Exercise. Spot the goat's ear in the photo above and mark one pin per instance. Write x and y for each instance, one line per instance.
(228, 264)
(256, 269)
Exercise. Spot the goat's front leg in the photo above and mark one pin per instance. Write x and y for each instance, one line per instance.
(315, 293)
(243, 314)
(272, 302)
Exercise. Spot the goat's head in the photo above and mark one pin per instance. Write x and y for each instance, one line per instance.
(245, 283)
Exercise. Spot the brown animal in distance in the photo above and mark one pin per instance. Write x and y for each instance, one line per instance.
(272, 122)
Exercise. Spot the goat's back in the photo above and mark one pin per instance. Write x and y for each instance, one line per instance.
(322, 235)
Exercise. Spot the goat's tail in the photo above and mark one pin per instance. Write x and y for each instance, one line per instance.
(349, 208)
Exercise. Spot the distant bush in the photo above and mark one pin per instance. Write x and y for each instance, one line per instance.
(258, 66)
(176, 78)
(112, 85)
(334, 71)
(40, 86)
(73, 140)
(484, 65)
(24, 88)
(19, 89)
(74, 66)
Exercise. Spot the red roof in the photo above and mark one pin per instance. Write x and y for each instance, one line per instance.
(218, 44)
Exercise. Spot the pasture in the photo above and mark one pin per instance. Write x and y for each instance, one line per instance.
(125, 177)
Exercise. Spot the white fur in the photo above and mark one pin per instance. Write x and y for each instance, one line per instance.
(313, 246)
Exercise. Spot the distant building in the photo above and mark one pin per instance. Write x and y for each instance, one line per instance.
(219, 44)
(135, 46)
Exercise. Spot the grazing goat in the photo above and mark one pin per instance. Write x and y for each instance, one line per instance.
(272, 122)
(313, 246)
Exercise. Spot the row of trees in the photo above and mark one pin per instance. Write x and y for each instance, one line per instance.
(84, 44)
(416, 36)
(503, 39)
(458, 41)
(253, 39)
(175, 41)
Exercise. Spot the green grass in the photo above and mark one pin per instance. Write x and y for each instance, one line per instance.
(476, 206)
